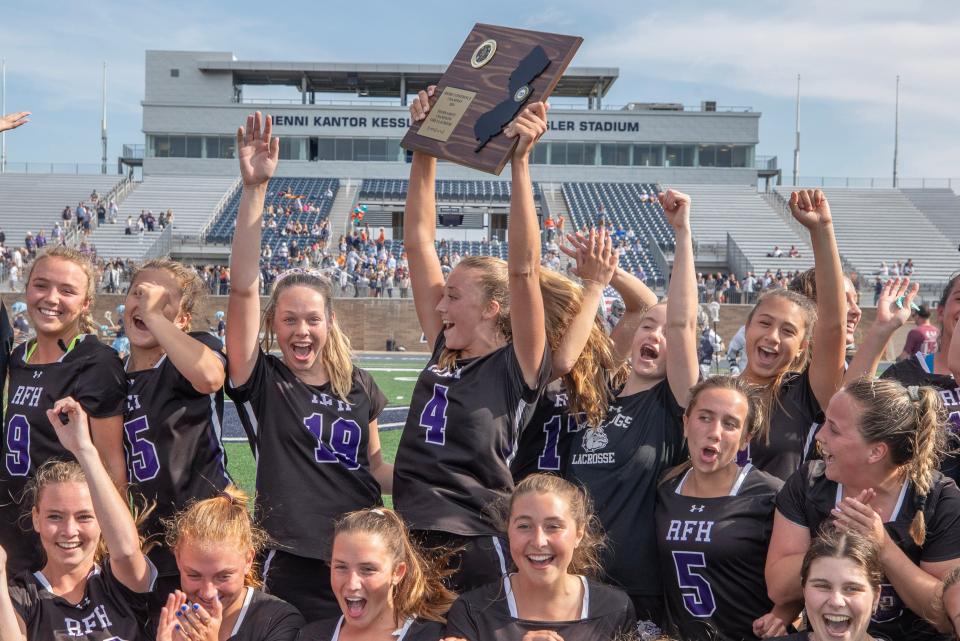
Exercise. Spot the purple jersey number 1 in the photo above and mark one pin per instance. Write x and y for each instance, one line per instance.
(17, 459)
(434, 416)
(697, 594)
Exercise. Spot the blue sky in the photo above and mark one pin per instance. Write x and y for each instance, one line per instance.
(736, 52)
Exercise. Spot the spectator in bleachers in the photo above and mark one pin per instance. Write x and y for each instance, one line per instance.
(794, 252)
(877, 290)
(101, 213)
(30, 244)
(776, 253)
(114, 211)
(908, 267)
(94, 197)
(549, 227)
(884, 271)
(41, 240)
(57, 232)
(67, 213)
(129, 229)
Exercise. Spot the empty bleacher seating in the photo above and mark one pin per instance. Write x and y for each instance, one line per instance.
(479, 191)
(31, 202)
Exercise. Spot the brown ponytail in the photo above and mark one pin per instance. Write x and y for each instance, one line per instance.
(912, 423)
(421, 592)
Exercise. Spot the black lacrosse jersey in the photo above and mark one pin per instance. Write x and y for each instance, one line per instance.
(459, 439)
(489, 613)
(808, 496)
(172, 441)
(413, 629)
(311, 453)
(919, 370)
(266, 618)
(108, 611)
(619, 464)
(544, 444)
(93, 375)
(712, 555)
(6, 344)
(794, 416)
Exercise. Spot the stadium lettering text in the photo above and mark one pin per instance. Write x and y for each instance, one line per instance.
(595, 125)
(683, 530)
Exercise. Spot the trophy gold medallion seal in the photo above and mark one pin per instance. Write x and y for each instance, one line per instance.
(483, 53)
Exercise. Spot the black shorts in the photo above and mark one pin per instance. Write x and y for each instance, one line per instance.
(475, 560)
(302, 582)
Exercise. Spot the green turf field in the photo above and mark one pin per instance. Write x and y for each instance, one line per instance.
(396, 386)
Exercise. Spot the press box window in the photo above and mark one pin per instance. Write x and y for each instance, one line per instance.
(174, 73)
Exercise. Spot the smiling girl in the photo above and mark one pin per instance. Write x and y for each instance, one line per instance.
(880, 444)
(215, 545)
(387, 589)
(310, 416)
(554, 543)
(490, 364)
(714, 520)
(779, 332)
(65, 359)
(78, 594)
(174, 400)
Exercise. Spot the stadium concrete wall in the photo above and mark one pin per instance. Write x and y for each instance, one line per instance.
(369, 322)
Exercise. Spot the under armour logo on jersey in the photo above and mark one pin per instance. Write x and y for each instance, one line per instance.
(37, 374)
(697, 508)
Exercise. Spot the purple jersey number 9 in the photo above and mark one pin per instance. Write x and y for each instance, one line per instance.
(141, 453)
(697, 594)
(17, 458)
(343, 446)
(434, 416)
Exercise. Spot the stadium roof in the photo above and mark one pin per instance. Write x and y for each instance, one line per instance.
(383, 80)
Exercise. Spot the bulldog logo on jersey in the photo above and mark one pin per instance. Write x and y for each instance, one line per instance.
(594, 439)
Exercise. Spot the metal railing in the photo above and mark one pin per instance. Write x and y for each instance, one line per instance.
(75, 168)
(218, 209)
(874, 183)
(161, 245)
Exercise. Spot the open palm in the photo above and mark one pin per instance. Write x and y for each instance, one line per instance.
(810, 208)
(257, 151)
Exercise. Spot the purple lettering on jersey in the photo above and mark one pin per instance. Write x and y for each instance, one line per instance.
(17, 458)
(697, 595)
(434, 416)
(141, 453)
(890, 606)
(343, 446)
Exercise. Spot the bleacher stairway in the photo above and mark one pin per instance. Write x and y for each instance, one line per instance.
(31, 202)
(192, 199)
(752, 223)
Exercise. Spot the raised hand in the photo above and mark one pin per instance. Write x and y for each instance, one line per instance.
(71, 425)
(528, 127)
(810, 208)
(153, 298)
(595, 256)
(676, 207)
(894, 304)
(422, 102)
(14, 120)
(257, 151)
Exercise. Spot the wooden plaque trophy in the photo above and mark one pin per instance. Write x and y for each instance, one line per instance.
(495, 73)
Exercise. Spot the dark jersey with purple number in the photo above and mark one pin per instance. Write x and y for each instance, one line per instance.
(460, 437)
(92, 374)
(712, 556)
(794, 417)
(311, 452)
(619, 463)
(544, 444)
(108, 611)
(489, 613)
(412, 630)
(919, 370)
(808, 497)
(172, 440)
